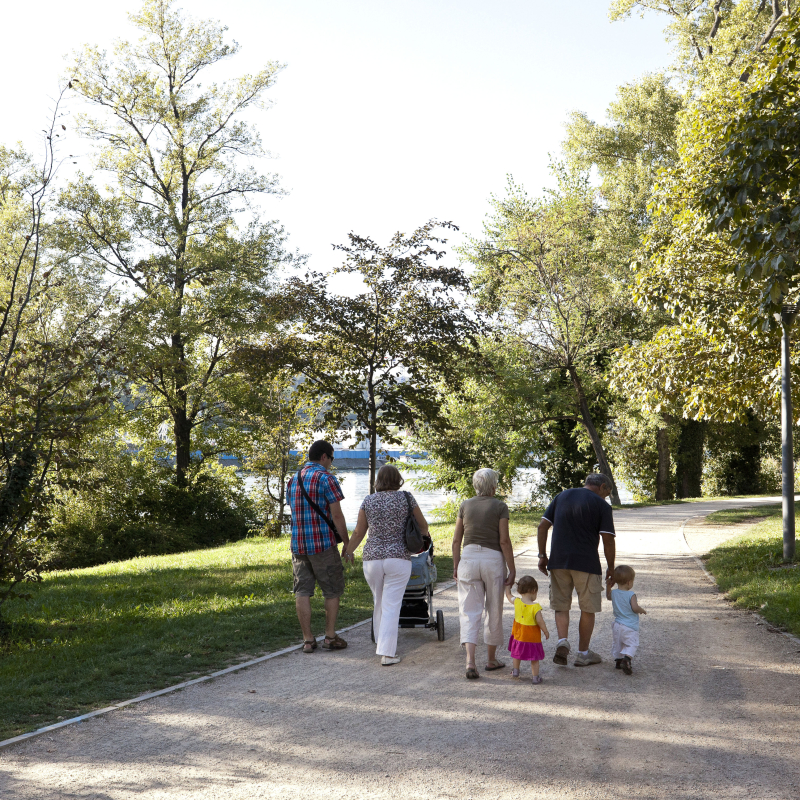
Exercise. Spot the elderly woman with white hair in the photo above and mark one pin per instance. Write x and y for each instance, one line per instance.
(483, 569)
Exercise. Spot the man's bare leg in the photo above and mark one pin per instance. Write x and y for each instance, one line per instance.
(331, 612)
(562, 624)
(585, 628)
(303, 606)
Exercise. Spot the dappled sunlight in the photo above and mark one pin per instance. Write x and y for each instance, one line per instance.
(705, 708)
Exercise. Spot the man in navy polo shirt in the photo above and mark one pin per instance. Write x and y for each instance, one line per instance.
(579, 518)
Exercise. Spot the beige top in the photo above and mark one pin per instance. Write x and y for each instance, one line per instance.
(481, 516)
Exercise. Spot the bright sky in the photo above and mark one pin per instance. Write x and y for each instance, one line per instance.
(387, 113)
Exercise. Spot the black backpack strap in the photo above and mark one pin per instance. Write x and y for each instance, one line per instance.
(316, 508)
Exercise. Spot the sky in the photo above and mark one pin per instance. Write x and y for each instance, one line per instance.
(387, 113)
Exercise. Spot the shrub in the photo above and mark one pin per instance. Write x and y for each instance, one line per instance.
(128, 505)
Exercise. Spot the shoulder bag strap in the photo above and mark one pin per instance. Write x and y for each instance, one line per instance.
(316, 507)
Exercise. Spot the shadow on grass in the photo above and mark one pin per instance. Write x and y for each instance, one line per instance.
(92, 637)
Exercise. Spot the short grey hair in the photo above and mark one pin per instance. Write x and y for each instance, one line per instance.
(485, 481)
(597, 479)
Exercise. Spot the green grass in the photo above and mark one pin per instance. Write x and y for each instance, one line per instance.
(747, 568)
(92, 637)
(733, 516)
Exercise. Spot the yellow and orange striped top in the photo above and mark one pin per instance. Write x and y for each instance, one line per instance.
(525, 628)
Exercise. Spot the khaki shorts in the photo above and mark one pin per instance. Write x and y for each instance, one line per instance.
(323, 568)
(589, 588)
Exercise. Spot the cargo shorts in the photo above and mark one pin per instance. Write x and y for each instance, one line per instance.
(589, 588)
(323, 568)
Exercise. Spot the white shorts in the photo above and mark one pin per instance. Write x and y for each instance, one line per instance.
(625, 640)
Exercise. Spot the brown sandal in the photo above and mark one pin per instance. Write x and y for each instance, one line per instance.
(336, 643)
(309, 646)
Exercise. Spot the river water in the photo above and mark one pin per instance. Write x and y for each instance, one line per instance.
(355, 485)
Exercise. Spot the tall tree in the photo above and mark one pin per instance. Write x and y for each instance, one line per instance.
(540, 270)
(721, 255)
(378, 356)
(718, 41)
(173, 145)
(56, 325)
(752, 186)
(637, 140)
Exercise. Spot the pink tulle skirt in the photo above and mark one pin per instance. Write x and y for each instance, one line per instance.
(525, 651)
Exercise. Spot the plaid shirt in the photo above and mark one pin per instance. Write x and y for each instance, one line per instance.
(310, 533)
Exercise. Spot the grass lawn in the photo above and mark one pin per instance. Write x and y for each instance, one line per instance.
(92, 637)
(748, 568)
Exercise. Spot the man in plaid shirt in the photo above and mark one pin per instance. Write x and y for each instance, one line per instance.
(315, 555)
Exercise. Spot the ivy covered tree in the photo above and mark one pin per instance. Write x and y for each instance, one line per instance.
(752, 188)
(721, 254)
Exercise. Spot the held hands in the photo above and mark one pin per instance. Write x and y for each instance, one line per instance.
(512, 573)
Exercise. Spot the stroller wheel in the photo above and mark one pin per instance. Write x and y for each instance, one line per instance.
(372, 631)
(440, 625)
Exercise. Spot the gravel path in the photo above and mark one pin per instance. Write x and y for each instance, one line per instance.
(712, 709)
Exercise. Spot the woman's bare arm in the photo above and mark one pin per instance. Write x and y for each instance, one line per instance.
(358, 534)
(508, 552)
(458, 537)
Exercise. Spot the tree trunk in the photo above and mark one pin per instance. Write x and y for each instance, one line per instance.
(181, 426)
(183, 445)
(588, 423)
(373, 454)
(663, 487)
(689, 459)
(282, 492)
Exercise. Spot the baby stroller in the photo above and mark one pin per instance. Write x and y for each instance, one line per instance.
(417, 608)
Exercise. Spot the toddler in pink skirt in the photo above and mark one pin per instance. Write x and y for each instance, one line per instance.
(525, 643)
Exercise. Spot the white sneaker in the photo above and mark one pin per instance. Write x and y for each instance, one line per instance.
(562, 651)
(387, 661)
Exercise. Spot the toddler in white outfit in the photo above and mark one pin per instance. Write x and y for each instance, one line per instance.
(625, 630)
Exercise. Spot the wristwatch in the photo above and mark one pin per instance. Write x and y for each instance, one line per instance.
(542, 555)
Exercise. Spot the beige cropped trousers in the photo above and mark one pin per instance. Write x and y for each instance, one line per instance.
(481, 589)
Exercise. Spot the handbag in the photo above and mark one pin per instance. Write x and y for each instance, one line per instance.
(415, 542)
(317, 508)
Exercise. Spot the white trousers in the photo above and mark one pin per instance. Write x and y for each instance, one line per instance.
(387, 578)
(625, 640)
(481, 579)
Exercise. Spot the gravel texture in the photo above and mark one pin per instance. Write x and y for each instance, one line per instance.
(711, 710)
